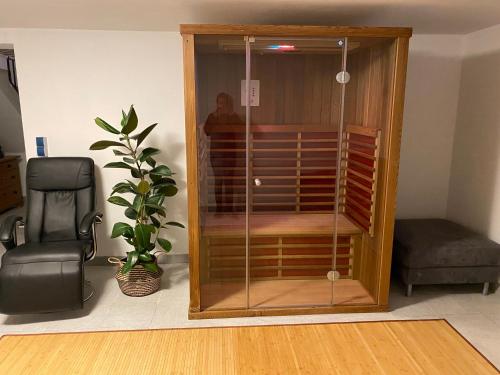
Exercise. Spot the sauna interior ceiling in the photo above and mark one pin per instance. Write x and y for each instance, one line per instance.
(425, 16)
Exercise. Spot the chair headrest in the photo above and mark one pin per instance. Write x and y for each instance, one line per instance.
(60, 173)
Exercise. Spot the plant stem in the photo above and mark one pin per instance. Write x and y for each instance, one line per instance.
(140, 214)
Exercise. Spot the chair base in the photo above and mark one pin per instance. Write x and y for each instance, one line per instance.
(409, 290)
(88, 290)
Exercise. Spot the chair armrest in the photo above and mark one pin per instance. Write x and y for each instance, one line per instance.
(8, 231)
(88, 221)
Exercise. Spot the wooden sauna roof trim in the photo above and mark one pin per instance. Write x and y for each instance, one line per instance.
(296, 30)
(301, 224)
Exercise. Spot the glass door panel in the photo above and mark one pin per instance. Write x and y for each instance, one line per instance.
(221, 138)
(295, 105)
(365, 120)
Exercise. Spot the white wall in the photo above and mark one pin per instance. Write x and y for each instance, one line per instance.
(67, 78)
(474, 197)
(432, 89)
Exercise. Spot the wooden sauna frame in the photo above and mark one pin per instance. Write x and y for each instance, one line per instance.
(377, 225)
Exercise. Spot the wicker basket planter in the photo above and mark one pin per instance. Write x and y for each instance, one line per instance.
(138, 282)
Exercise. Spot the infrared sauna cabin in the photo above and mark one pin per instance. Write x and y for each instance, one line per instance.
(293, 137)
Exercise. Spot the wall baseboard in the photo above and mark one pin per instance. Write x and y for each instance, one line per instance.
(168, 259)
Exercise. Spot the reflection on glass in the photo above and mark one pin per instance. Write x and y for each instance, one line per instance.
(223, 115)
(225, 169)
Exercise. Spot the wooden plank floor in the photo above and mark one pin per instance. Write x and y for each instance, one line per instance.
(405, 347)
(283, 293)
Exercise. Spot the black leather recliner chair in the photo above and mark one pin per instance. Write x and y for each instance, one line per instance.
(46, 273)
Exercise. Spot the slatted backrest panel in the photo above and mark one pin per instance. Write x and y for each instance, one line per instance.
(296, 166)
(359, 175)
(317, 169)
(273, 155)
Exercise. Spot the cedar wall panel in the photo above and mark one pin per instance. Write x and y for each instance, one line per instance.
(301, 89)
(293, 88)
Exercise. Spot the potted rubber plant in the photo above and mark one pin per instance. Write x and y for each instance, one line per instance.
(143, 197)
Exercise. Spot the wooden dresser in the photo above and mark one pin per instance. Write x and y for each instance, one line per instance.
(10, 183)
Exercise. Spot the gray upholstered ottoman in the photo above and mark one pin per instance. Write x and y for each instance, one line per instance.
(438, 251)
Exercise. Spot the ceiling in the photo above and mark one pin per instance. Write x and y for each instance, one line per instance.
(425, 16)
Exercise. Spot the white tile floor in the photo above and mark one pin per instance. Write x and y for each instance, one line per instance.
(476, 316)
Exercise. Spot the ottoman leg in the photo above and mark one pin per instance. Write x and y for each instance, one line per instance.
(409, 290)
(486, 288)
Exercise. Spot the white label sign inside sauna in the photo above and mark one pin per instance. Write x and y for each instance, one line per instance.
(254, 92)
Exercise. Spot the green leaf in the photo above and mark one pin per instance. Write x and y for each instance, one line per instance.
(162, 200)
(154, 199)
(129, 160)
(143, 187)
(145, 257)
(126, 268)
(122, 187)
(119, 201)
(124, 118)
(131, 213)
(103, 124)
(151, 162)
(154, 177)
(131, 121)
(161, 170)
(135, 173)
(155, 209)
(137, 202)
(155, 221)
(132, 258)
(101, 145)
(132, 185)
(169, 190)
(122, 229)
(119, 153)
(147, 152)
(164, 182)
(142, 135)
(118, 164)
(152, 267)
(175, 224)
(165, 244)
(143, 235)
(155, 206)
